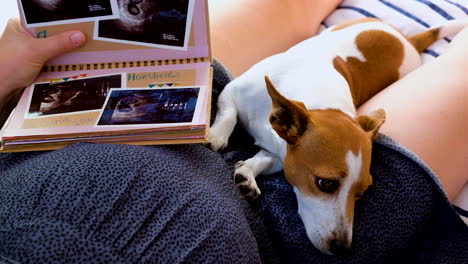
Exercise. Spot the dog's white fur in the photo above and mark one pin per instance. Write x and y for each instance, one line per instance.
(303, 73)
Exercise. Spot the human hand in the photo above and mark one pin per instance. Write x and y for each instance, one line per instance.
(23, 56)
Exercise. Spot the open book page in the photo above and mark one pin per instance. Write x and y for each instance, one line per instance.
(112, 100)
(123, 30)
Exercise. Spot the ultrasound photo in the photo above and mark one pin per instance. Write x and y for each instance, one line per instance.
(154, 23)
(72, 96)
(53, 12)
(149, 106)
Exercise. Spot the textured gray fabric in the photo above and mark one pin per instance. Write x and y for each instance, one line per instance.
(97, 203)
(393, 144)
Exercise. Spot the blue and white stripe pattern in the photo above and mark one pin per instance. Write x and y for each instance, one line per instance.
(408, 16)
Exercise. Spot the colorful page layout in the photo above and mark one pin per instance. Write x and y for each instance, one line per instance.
(122, 30)
(77, 102)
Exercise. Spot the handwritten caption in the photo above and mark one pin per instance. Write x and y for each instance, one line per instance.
(152, 76)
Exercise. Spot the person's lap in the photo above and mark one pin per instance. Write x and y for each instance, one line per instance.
(149, 167)
(147, 203)
(97, 203)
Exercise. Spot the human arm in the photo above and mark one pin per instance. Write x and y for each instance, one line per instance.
(22, 57)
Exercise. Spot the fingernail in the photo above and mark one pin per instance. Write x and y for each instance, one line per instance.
(77, 38)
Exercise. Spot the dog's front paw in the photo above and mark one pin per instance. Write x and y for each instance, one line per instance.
(218, 139)
(244, 179)
(217, 143)
(248, 188)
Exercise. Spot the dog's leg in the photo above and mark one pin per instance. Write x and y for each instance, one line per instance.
(225, 121)
(246, 172)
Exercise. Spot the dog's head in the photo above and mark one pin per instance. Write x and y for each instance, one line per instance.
(327, 162)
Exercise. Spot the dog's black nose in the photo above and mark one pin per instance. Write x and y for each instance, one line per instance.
(339, 247)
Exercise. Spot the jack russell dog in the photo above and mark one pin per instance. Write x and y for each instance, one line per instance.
(300, 107)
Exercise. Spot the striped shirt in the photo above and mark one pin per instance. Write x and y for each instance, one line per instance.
(408, 16)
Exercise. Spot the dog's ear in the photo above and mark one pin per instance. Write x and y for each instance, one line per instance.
(372, 122)
(288, 118)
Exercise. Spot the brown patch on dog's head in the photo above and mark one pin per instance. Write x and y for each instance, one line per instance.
(328, 163)
(320, 152)
(318, 140)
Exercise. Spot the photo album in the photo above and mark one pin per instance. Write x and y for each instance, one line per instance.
(143, 77)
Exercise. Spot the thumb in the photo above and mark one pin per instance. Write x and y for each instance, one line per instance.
(50, 47)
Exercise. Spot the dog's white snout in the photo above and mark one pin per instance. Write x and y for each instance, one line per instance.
(328, 230)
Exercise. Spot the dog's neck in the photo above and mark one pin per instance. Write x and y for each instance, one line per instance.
(329, 89)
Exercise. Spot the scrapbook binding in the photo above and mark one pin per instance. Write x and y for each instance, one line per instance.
(143, 77)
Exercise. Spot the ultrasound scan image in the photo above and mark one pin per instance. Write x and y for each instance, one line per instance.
(42, 11)
(72, 96)
(150, 106)
(162, 22)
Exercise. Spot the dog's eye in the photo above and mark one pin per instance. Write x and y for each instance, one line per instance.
(327, 186)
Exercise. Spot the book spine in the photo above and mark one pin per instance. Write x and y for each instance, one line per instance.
(120, 65)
